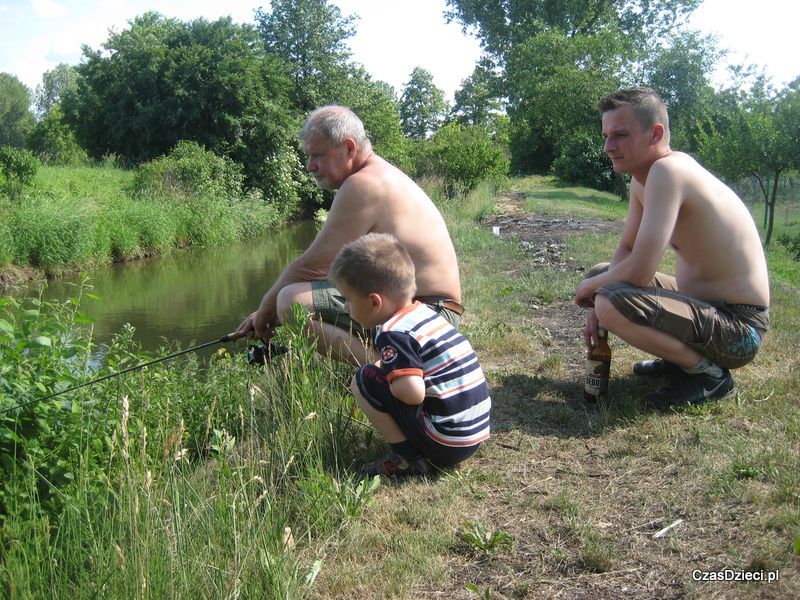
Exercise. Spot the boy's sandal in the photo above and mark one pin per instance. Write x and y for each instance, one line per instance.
(394, 465)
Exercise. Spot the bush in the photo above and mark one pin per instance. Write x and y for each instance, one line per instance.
(54, 142)
(18, 168)
(189, 171)
(792, 243)
(582, 161)
(6, 243)
(463, 155)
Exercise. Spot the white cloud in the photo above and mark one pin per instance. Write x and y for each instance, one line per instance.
(48, 9)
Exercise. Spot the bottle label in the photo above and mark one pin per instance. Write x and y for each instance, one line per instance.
(597, 372)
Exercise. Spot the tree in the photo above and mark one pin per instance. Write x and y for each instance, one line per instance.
(478, 100)
(309, 36)
(422, 105)
(161, 81)
(18, 168)
(54, 84)
(53, 141)
(16, 118)
(758, 137)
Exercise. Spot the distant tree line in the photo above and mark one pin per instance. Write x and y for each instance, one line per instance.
(242, 91)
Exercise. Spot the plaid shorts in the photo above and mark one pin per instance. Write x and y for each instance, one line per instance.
(729, 335)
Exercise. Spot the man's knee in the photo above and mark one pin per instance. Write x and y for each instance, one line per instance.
(294, 293)
(597, 269)
(607, 314)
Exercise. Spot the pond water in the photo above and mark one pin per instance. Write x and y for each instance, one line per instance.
(190, 297)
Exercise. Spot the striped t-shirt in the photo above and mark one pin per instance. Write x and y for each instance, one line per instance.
(417, 341)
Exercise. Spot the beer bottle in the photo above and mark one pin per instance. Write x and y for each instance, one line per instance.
(598, 368)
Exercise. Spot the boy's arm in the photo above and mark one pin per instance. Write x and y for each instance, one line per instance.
(409, 389)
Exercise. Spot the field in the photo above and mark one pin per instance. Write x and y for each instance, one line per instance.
(227, 481)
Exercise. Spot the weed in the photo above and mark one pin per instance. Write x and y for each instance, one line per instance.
(476, 535)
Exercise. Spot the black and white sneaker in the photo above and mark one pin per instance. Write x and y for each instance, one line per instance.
(692, 389)
(655, 367)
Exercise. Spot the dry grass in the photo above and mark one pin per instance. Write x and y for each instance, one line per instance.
(583, 490)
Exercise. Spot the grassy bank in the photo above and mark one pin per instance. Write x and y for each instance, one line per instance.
(74, 217)
(225, 481)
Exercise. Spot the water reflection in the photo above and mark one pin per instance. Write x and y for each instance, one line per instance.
(190, 297)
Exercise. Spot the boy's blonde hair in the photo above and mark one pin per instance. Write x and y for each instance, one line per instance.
(376, 262)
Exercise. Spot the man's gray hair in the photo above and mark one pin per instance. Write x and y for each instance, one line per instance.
(336, 124)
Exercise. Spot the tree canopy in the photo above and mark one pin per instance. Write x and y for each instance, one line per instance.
(16, 119)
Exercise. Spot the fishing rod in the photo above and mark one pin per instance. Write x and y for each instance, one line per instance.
(231, 337)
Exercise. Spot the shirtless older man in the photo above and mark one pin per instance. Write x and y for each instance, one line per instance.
(712, 315)
(372, 196)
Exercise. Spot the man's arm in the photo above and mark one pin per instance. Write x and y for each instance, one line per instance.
(661, 204)
(351, 216)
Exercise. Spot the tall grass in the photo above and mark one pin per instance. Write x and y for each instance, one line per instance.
(185, 479)
(76, 216)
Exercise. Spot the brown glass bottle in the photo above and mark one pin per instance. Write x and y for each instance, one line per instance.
(598, 368)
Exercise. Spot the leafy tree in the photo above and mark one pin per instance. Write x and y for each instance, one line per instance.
(583, 161)
(18, 168)
(478, 101)
(422, 105)
(16, 118)
(309, 36)
(679, 73)
(54, 83)
(758, 137)
(53, 141)
(161, 81)
(464, 155)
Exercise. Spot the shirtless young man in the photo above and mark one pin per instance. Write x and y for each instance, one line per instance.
(372, 196)
(712, 315)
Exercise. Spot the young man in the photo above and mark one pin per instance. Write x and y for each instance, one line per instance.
(712, 315)
(372, 196)
(427, 394)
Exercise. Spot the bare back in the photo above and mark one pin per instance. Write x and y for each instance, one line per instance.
(719, 252)
(402, 208)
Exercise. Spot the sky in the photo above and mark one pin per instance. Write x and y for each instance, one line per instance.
(393, 36)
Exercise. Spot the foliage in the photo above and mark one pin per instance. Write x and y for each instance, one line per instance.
(463, 155)
(792, 243)
(53, 141)
(755, 134)
(18, 168)
(422, 105)
(309, 37)
(475, 534)
(55, 83)
(161, 81)
(582, 161)
(478, 100)
(190, 170)
(16, 118)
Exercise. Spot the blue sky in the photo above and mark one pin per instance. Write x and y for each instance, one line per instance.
(394, 36)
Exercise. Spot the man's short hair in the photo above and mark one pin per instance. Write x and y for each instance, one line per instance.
(336, 124)
(647, 105)
(376, 262)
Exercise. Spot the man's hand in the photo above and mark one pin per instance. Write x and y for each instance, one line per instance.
(590, 331)
(584, 294)
(254, 327)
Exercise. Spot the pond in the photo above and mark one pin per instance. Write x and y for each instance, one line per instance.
(189, 297)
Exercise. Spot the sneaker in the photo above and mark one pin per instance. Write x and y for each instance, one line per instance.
(263, 353)
(655, 367)
(692, 389)
(393, 465)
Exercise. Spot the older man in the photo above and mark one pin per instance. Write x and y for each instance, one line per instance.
(712, 315)
(372, 196)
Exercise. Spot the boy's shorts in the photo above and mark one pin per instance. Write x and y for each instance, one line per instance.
(729, 335)
(374, 386)
(329, 306)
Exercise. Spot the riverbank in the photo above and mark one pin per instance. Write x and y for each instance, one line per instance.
(227, 481)
(73, 218)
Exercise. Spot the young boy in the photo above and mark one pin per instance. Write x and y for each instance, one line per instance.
(427, 394)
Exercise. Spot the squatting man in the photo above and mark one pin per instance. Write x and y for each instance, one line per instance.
(712, 315)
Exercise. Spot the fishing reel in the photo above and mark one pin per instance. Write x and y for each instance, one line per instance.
(261, 354)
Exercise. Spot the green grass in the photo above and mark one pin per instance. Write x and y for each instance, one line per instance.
(187, 484)
(73, 217)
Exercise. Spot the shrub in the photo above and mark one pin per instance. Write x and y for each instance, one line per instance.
(6, 243)
(189, 171)
(582, 161)
(463, 155)
(792, 243)
(18, 168)
(54, 142)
